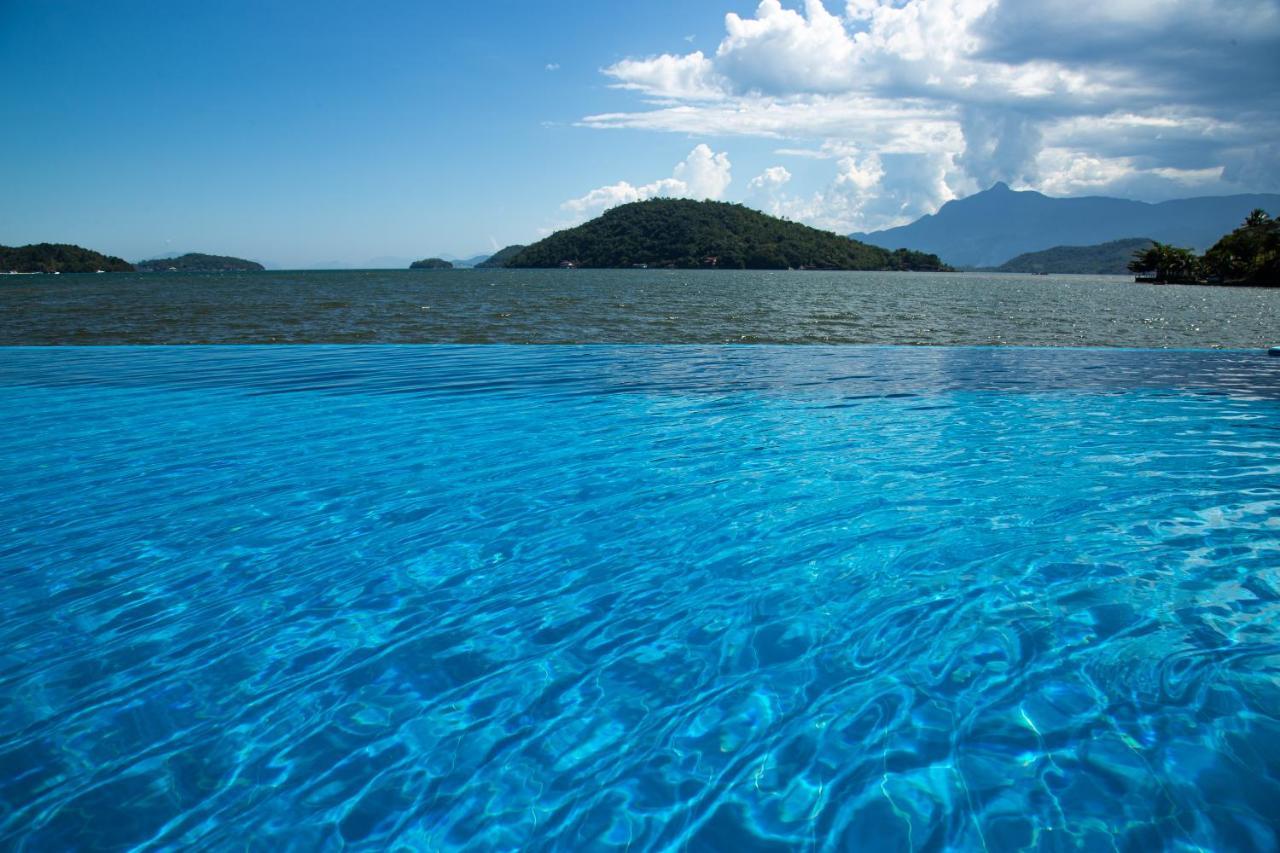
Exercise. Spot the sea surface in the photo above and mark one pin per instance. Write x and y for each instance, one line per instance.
(631, 598)
(630, 306)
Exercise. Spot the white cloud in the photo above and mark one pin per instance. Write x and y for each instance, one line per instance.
(690, 77)
(1069, 96)
(704, 174)
(782, 51)
(871, 191)
(859, 177)
(767, 190)
(770, 179)
(1074, 172)
(552, 66)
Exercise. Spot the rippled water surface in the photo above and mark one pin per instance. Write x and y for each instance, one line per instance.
(630, 306)
(743, 598)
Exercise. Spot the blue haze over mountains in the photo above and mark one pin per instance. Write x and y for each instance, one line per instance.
(989, 228)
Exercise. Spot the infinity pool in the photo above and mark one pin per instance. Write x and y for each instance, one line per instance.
(608, 597)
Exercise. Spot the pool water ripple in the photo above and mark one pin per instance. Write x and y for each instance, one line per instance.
(639, 597)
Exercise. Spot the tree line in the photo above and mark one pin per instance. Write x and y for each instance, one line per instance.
(60, 258)
(1248, 255)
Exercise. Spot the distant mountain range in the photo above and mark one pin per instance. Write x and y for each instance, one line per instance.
(991, 227)
(1104, 259)
(466, 263)
(382, 262)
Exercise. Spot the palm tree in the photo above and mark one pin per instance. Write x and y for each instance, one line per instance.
(1169, 263)
(1181, 265)
(1146, 260)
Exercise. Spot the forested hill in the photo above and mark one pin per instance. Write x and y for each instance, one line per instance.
(198, 262)
(431, 264)
(1104, 259)
(500, 258)
(58, 257)
(703, 234)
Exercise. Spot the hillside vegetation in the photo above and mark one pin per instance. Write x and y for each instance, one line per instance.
(199, 262)
(500, 258)
(58, 257)
(1103, 259)
(1249, 255)
(431, 264)
(698, 234)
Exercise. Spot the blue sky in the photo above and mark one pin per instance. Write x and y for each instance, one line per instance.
(308, 133)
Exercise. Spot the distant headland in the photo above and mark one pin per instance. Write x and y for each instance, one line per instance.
(68, 258)
(1111, 258)
(197, 262)
(431, 264)
(58, 258)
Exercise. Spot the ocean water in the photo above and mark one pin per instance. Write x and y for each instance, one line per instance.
(631, 306)
(671, 597)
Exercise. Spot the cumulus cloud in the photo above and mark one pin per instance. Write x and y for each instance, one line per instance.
(691, 77)
(704, 174)
(771, 178)
(767, 190)
(1157, 97)
(870, 191)
(782, 51)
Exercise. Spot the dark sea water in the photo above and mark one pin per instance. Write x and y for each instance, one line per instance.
(630, 306)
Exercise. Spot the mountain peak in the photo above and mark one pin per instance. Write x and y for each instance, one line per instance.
(988, 228)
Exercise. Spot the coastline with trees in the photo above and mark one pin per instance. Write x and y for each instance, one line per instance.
(1247, 257)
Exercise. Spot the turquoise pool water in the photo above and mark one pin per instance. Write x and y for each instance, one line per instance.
(601, 597)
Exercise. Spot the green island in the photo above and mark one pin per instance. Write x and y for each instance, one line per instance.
(684, 234)
(1103, 259)
(59, 258)
(431, 264)
(197, 262)
(501, 257)
(1248, 256)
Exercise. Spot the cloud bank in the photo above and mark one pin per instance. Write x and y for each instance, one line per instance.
(918, 101)
(702, 175)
